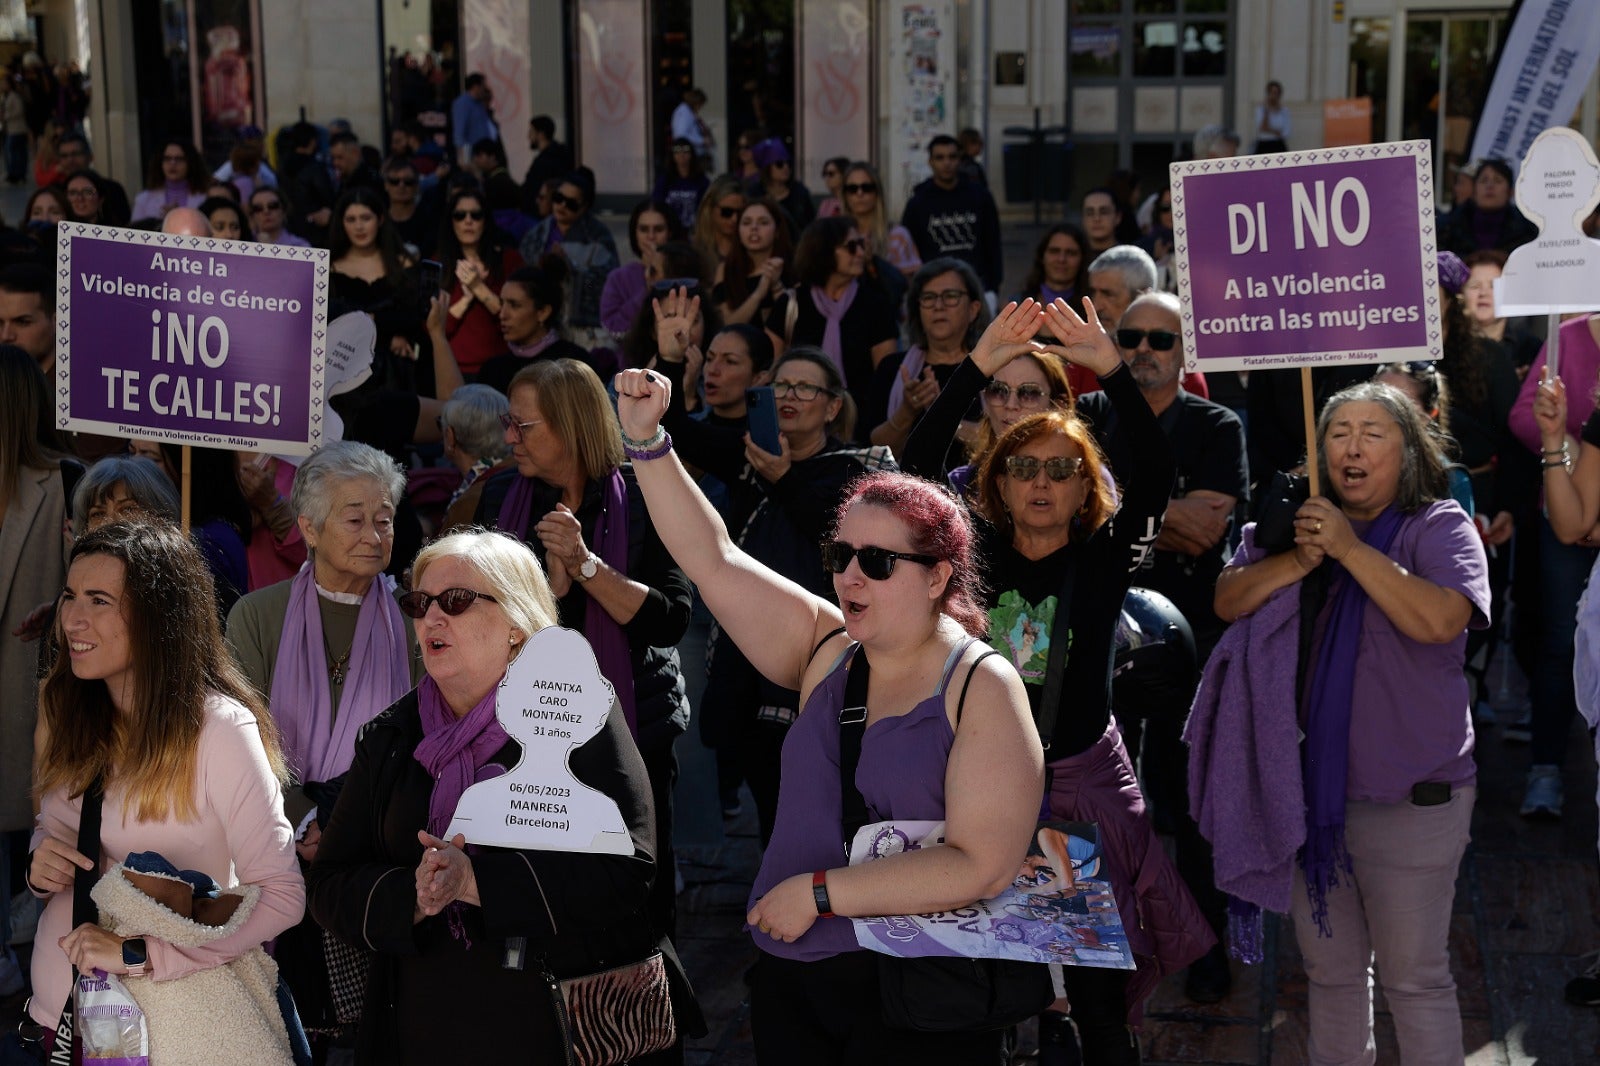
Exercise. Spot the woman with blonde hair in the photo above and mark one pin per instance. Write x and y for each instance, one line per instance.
(573, 501)
(716, 225)
(163, 741)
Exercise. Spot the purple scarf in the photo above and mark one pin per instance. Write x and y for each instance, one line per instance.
(834, 311)
(610, 542)
(915, 359)
(1050, 296)
(1326, 754)
(178, 193)
(318, 743)
(532, 351)
(455, 751)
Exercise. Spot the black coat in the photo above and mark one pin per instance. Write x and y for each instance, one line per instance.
(435, 995)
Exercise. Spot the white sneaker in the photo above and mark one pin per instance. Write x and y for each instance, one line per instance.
(1543, 796)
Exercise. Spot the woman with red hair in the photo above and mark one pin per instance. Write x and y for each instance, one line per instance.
(1062, 552)
(908, 596)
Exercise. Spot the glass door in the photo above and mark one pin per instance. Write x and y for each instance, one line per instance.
(1448, 62)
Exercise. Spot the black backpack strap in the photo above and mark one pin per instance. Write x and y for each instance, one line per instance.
(1056, 664)
(962, 702)
(852, 727)
(83, 905)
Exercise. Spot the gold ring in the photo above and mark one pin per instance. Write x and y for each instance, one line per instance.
(1318, 527)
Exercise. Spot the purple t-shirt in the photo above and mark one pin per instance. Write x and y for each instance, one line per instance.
(1410, 717)
(900, 775)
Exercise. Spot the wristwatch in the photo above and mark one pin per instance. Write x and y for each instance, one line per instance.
(135, 957)
(589, 567)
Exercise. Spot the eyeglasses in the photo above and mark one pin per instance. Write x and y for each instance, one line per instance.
(462, 216)
(174, 159)
(82, 194)
(560, 199)
(509, 421)
(799, 390)
(947, 297)
(729, 212)
(854, 244)
(876, 563)
(1161, 340)
(451, 601)
(261, 209)
(401, 181)
(1026, 467)
(858, 188)
(683, 151)
(1028, 395)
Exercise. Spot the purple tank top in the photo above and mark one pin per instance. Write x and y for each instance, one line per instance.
(901, 775)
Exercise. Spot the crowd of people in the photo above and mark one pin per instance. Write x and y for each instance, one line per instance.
(805, 431)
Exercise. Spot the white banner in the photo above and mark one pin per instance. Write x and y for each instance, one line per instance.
(1546, 63)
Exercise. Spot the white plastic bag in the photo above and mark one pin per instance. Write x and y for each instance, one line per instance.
(111, 1025)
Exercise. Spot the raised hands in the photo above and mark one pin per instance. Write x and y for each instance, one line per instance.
(675, 317)
(1550, 410)
(642, 397)
(1010, 334)
(1082, 340)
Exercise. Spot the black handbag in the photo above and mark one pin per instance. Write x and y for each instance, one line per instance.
(935, 995)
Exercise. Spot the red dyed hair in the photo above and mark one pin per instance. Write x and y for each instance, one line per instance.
(938, 525)
(1100, 502)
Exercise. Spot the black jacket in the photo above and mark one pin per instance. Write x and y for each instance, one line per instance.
(962, 222)
(441, 994)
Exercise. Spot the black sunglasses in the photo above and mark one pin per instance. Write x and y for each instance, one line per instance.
(401, 181)
(462, 216)
(729, 212)
(451, 601)
(664, 287)
(1026, 467)
(852, 188)
(563, 200)
(1161, 340)
(854, 245)
(876, 563)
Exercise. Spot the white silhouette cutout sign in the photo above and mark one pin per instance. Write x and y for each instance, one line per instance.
(553, 700)
(1557, 186)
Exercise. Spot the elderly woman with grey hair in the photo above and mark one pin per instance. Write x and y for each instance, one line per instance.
(474, 443)
(330, 649)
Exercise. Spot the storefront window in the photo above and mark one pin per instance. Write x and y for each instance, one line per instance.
(1095, 51)
(674, 70)
(162, 73)
(422, 46)
(761, 48)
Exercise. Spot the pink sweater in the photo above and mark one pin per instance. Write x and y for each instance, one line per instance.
(241, 837)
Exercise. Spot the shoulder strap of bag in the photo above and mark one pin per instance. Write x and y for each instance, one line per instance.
(83, 910)
(962, 702)
(852, 726)
(1056, 664)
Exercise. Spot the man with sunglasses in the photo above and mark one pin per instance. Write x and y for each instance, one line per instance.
(413, 212)
(1207, 442)
(948, 216)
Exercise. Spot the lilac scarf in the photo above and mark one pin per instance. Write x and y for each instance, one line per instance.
(318, 743)
(1326, 754)
(610, 542)
(1050, 296)
(178, 193)
(834, 311)
(915, 359)
(456, 751)
(532, 351)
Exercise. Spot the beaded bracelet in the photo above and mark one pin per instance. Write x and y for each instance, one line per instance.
(649, 442)
(643, 451)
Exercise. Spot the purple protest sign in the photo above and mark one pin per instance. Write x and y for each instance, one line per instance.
(1307, 258)
(192, 340)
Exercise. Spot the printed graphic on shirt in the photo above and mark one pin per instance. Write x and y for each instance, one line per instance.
(1020, 631)
(1146, 544)
(955, 231)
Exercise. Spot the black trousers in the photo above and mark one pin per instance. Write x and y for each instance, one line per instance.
(661, 763)
(827, 1013)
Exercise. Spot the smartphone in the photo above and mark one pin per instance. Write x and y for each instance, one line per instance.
(431, 281)
(761, 408)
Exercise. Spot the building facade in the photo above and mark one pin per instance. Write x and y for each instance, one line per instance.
(1108, 83)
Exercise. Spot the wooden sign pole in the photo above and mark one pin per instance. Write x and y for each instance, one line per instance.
(183, 491)
(1309, 409)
